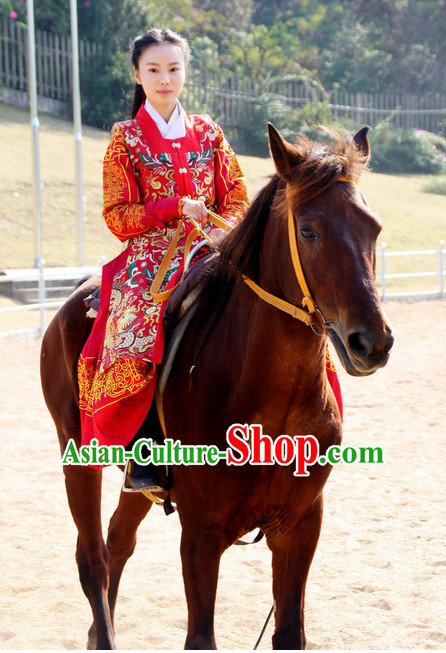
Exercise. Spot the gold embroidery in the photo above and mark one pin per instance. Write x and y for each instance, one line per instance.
(126, 377)
(329, 364)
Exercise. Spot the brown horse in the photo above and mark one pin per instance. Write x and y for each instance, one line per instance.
(244, 361)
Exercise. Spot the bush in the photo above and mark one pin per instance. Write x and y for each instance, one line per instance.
(288, 120)
(106, 90)
(407, 150)
(436, 186)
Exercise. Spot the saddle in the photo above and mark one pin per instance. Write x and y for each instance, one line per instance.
(187, 292)
(178, 304)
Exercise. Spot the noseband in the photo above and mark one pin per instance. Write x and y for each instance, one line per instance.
(309, 307)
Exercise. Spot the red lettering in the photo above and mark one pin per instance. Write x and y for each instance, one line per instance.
(284, 449)
(238, 444)
(261, 444)
(307, 451)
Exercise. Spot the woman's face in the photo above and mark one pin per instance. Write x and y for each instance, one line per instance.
(161, 72)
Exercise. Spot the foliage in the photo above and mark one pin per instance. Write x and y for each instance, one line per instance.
(106, 88)
(288, 120)
(350, 45)
(355, 64)
(355, 45)
(48, 15)
(407, 150)
(204, 54)
(436, 186)
(264, 51)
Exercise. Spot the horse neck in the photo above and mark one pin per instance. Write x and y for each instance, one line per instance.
(283, 349)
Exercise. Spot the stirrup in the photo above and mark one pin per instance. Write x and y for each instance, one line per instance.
(147, 490)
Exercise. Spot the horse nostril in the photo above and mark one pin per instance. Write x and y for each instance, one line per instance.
(390, 341)
(359, 344)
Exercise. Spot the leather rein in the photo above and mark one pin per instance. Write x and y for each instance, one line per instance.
(309, 308)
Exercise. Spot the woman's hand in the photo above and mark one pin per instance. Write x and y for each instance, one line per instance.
(195, 209)
(217, 236)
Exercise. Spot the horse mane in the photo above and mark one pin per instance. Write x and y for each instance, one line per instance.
(239, 252)
(318, 166)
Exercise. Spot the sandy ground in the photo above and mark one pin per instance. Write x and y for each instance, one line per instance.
(378, 580)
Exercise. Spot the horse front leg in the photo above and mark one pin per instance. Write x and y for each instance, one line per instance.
(292, 553)
(121, 539)
(83, 486)
(201, 550)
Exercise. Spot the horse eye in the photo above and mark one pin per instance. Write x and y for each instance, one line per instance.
(308, 233)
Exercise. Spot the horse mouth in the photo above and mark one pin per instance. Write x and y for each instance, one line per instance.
(357, 359)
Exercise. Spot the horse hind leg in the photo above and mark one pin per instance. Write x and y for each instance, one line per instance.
(83, 486)
(201, 550)
(292, 554)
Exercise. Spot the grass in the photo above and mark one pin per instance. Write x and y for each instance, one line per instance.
(436, 186)
(58, 197)
(412, 219)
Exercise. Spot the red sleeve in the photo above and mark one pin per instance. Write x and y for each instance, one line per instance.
(230, 182)
(124, 212)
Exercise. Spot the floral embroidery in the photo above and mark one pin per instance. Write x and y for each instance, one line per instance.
(134, 174)
(99, 390)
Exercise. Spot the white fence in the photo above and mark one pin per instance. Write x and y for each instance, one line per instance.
(53, 60)
(384, 278)
(38, 283)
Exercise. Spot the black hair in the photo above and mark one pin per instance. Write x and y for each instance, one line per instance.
(154, 36)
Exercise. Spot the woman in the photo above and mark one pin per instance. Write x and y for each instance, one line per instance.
(160, 166)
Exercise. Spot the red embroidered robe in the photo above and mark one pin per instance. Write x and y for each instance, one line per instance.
(144, 178)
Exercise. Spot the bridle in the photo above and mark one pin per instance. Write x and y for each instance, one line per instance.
(309, 308)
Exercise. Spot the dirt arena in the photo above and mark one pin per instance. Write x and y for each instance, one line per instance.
(378, 580)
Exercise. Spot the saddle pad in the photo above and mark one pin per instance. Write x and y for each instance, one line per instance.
(178, 313)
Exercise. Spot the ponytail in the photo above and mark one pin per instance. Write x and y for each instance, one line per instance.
(138, 99)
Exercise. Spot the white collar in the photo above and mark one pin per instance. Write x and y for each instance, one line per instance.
(175, 128)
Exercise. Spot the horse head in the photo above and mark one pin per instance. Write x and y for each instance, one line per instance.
(336, 235)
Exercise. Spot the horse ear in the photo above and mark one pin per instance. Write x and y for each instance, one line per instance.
(285, 156)
(361, 141)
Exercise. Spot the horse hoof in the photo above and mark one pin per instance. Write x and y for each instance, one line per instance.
(91, 642)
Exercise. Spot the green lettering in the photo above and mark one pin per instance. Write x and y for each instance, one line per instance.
(349, 455)
(168, 444)
(137, 453)
(177, 453)
(201, 452)
(103, 455)
(117, 452)
(334, 454)
(85, 453)
(158, 454)
(71, 454)
(212, 455)
(370, 457)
